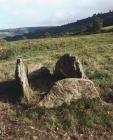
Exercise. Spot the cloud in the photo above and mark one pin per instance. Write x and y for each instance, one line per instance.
(19, 13)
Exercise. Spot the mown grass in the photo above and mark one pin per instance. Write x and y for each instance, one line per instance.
(108, 28)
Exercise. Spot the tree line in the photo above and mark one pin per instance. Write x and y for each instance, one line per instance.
(88, 25)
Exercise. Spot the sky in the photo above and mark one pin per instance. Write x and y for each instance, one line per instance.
(27, 13)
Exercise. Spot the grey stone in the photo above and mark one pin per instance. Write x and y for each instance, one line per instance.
(66, 90)
(22, 80)
(69, 67)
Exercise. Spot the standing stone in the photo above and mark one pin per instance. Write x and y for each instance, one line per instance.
(69, 67)
(22, 80)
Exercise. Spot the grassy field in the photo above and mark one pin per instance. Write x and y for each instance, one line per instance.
(94, 51)
(89, 118)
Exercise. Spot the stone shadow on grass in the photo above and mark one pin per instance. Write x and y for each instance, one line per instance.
(41, 80)
(10, 91)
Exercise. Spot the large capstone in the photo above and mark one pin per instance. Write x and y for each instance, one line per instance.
(67, 90)
(68, 67)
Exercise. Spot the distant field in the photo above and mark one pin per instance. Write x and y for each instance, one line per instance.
(108, 28)
(82, 119)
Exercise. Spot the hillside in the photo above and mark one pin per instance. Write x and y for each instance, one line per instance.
(20, 31)
(72, 28)
(83, 119)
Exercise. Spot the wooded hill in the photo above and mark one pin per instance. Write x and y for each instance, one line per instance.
(77, 27)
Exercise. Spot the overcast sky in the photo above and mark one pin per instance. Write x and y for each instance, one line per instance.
(22, 13)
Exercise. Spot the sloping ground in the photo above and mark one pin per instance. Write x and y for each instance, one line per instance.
(82, 119)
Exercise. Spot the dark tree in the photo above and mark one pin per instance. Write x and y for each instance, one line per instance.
(47, 35)
(83, 29)
(97, 24)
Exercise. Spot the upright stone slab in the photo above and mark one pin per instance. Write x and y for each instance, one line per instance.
(22, 80)
(69, 67)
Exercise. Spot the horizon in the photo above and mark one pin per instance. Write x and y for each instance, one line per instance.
(22, 27)
(40, 13)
